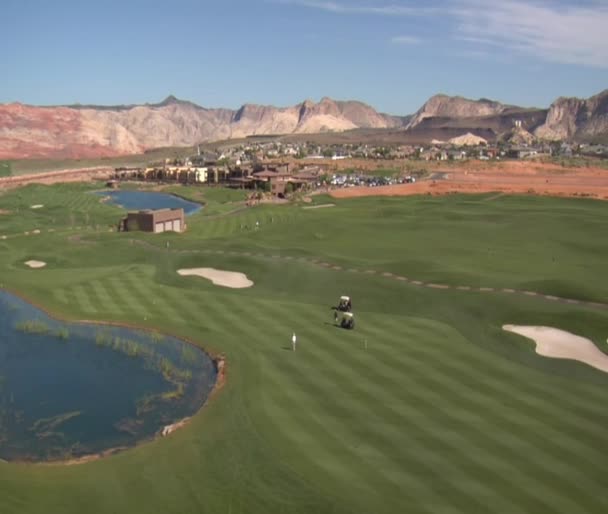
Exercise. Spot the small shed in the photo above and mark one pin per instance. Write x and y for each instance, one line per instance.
(157, 221)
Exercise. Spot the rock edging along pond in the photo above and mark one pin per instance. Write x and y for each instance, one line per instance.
(142, 200)
(73, 390)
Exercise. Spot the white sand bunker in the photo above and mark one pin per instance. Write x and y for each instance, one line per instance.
(37, 206)
(219, 278)
(35, 264)
(559, 344)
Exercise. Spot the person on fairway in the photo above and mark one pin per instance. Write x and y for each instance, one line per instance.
(293, 341)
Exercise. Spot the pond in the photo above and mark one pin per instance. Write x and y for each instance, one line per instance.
(142, 200)
(69, 390)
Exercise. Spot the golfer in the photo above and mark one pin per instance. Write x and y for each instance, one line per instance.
(293, 341)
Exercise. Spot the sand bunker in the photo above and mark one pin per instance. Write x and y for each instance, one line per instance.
(219, 278)
(35, 264)
(37, 206)
(559, 344)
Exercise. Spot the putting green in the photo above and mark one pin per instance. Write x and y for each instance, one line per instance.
(427, 407)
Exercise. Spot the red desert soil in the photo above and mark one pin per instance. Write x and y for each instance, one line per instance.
(508, 178)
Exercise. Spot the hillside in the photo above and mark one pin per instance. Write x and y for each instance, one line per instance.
(575, 118)
(98, 131)
(92, 131)
(444, 106)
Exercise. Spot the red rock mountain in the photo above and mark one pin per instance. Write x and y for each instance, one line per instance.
(93, 131)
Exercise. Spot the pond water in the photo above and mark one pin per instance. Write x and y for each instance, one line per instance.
(141, 200)
(69, 390)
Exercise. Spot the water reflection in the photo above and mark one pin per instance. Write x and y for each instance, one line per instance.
(69, 390)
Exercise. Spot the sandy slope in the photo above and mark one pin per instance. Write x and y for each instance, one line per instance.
(559, 344)
(231, 279)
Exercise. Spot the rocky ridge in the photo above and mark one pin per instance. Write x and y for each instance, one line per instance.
(93, 131)
(444, 106)
(80, 131)
(575, 118)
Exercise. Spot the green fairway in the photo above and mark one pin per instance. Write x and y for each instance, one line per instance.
(6, 169)
(426, 407)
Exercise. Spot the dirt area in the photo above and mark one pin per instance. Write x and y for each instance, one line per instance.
(52, 177)
(559, 344)
(35, 264)
(515, 177)
(169, 429)
(230, 279)
(4, 211)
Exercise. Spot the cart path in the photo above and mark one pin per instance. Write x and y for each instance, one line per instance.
(384, 274)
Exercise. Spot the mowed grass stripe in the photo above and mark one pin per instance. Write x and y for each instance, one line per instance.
(396, 463)
(260, 339)
(307, 433)
(360, 397)
(61, 295)
(188, 307)
(483, 455)
(219, 312)
(526, 454)
(516, 419)
(402, 472)
(481, 412)
(152, 295)
(446, 360)
(488, 455)
(280, 403)
(119, 290)
(554, 463)
(80, 295)
(468, 356)
(106, 301)
(228, 316)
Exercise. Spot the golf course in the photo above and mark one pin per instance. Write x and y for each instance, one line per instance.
(427, 407)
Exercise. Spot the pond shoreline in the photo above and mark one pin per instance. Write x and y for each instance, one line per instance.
(219, 364)
(112, 197)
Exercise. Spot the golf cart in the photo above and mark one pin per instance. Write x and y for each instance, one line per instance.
(347, 321)
(345, 304)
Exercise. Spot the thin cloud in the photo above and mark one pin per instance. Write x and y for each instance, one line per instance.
(394, 9)
(405, 40)
(549, 31)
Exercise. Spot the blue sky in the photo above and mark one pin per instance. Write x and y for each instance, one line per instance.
(392, 54)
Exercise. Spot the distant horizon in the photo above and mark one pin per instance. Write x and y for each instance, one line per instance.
(390, 54)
